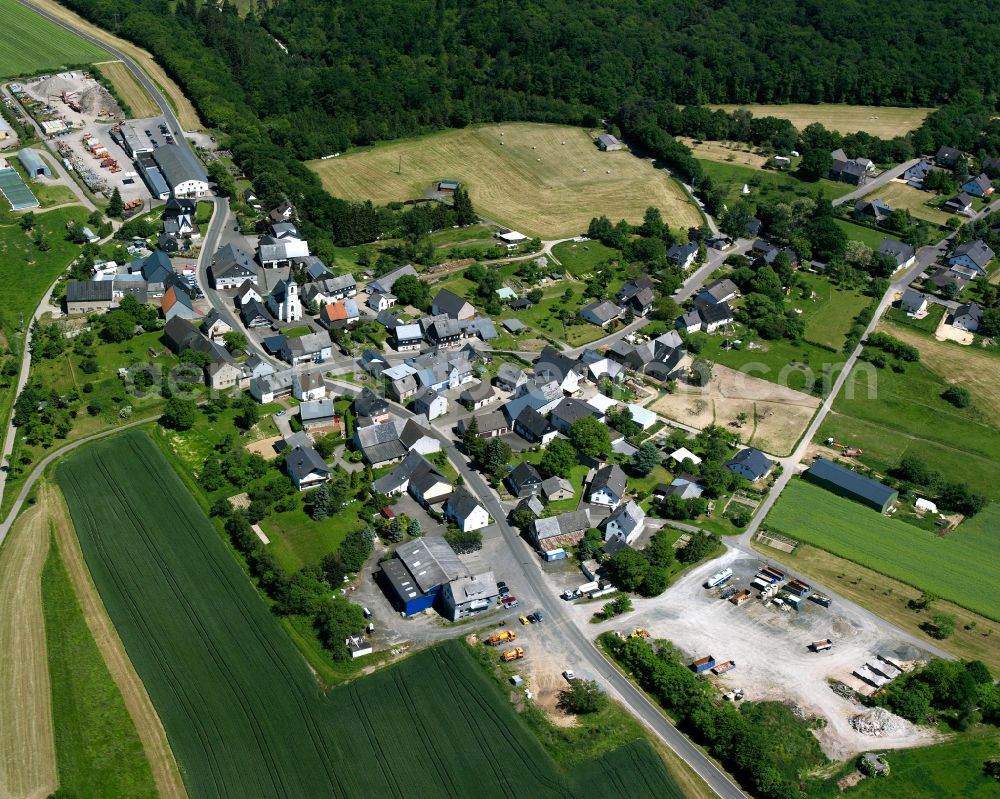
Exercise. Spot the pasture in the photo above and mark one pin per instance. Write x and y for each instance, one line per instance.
(30, 44)
(768, 184)
(138, 100)
(544, 180)
(960, 567)
(829, 312)
(242, 711)
(866, 235)
(883, 121)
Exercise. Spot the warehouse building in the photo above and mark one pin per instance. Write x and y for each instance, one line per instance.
(414, 578)
(33, 164)
(467, 596)
(181, 169)
(850, 484)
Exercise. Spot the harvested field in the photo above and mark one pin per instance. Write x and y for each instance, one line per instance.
(27, 745)
(129, 89)
(545, 180)
(968, 367)
(727, 152)
(883, 121)
(776, 416)
(242, 709)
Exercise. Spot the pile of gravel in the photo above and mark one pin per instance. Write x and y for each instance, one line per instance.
(876, 722)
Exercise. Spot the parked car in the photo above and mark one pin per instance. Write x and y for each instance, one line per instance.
(539, 616)
(524, 620)
(569, 675)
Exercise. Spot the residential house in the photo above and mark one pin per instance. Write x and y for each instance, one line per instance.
(315, 347)
(319, 415)
(979, 186)
(254, 314)
(306, 468)
(381, 301)
(445, 333)
(568, 411)
(903, 255)
(850, 170)
(961, 203)
(269, 387)
(967, 317)
(276, 251)
(467, 596)
(407, 337)
(454, 307)
(974, 255)
(948, 157)
(384, 284)
(555, 488)
(684, 486)
(215, 327)
(482, 327)
(915, 174)
(560, 532)
(659, 357)
(223, 374)
(490, 424)
(913, 302)
(683, 255)
(625, 523)
(177, 302)
(382, 444)
(89, 296)
(442, 369)
(717, 291)
(338, 315)
(750, 464)
(314, 268)
(232, 267)
(478, 396)
(401, 381)
(944, 276)
(510, 377)
(607, 486)
(308, 386)
(600, 312)
(330, 289)
(370, 408)
(532, 503)
(246, 292)
(282, 213)
(417, 475)
(552, 365)
(874, 210)
(251, 199)
(540, 397)
(429, 487)
(706, 318)
(524, 480)
(533, 427)
(638, 295)
(429, 403)
(466, 511)
(252, 367)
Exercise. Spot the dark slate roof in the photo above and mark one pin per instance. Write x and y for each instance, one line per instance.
(679, 253)
(720, 312)
(555, 365)
(969, 309)
(253, 309)
(302, 461)
(524, 474)
(368, 403)
(89, 291)
(860, 486)
(897, 250)
(462, 503)
(413, 465)
(611, 477)
(753, 459)
(449, 302)
(571, 409)
(977, 251)
(532, 421)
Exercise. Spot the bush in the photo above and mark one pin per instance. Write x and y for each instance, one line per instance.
(957, 396)
(582, 697)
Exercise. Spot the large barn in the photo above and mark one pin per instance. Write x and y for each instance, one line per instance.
(846, 483)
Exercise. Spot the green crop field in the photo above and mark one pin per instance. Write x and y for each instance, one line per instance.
(243, 713)
(961, 566)
(545, 180)
(890, 415)
(29, 43)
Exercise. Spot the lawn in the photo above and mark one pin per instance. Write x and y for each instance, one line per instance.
(98, 750)
(768, 184)
(882, 121)
(960, 567)
(927, 324)
(953, 768)
(243, 712)
(29, 43)
(830, 313)
(794, 364)
(866, 235)
(544, 180)
(140, 104)
(581, 258)
(297, 540)
(900, 195)
(888, 415)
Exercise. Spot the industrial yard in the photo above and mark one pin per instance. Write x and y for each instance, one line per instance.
(770, 646)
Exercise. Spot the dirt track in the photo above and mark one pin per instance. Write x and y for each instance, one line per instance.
(27, 743)
(147, 723)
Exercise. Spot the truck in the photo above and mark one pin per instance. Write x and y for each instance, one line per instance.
(603, 592)
(722, 668)
(702, 664)
(512, 654)
(821, 646)
(500, 637)
(586, 588)
(797, 587)
(718, 578)
(821, 599)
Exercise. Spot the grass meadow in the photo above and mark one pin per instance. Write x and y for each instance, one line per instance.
(768, 184)
(960, 567)
(29, 43)
(882, 121)
(866, 235)
(139, 101)
(243, 712)
(98, 751)
(544, 180)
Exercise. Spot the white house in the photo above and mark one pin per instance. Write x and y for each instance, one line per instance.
(608, 486)
(465, 510)
(308, 386)
(625, 524)
(306, 468)
(380, 301)
(429, 403)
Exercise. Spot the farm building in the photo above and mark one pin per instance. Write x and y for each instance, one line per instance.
(414, 578)
(850, 484)
(608, 142)
(467, 596)
(33, 164)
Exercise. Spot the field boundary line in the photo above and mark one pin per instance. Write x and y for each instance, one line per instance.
(140, 707)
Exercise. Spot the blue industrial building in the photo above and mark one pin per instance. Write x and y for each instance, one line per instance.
(413, 579)
(850, 484)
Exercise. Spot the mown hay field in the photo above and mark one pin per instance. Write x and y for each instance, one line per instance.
(129, 89)
(960, 566)
(544, 180)
(883, 121)
(243, 713)
(29, 43)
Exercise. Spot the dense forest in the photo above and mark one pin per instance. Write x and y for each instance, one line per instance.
(359, 71)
